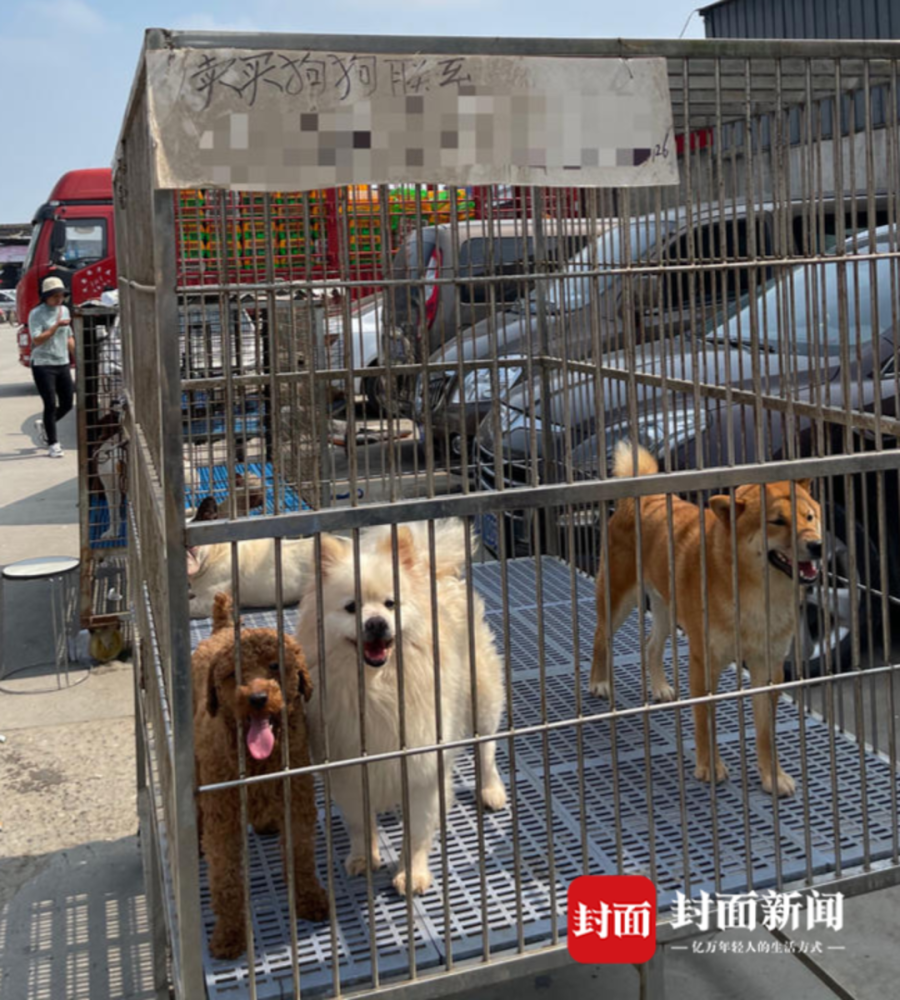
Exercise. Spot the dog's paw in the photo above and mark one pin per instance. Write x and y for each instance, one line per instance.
(600, 689)
(784, 783)
(312, 902)
(228, 940)
(356, 863)
(494, 796)
(421, 881)
(702, 772)
(664, 693)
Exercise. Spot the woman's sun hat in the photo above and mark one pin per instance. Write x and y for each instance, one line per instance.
(49, 285)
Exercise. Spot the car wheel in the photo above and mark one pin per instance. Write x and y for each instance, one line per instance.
(833, 652)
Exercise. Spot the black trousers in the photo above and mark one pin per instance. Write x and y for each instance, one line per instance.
(54, 383)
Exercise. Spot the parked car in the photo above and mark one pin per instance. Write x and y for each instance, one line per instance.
(548, 433)
(423, 314)
(366, 322)
(7, 305)
(587, 312)
(401, 311)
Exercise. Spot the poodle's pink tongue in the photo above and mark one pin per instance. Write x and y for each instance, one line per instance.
(260, 738)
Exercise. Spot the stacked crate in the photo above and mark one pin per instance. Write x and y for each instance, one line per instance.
(293, 231)
(436, 206)
(303, 232)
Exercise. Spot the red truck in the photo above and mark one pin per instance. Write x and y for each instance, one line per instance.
(73, 239)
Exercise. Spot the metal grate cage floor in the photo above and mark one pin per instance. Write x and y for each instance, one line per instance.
(551, 852)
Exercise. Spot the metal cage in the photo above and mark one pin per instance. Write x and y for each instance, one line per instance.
(740, 325)
(102, 480)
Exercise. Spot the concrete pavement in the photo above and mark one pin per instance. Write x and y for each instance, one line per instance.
(73, 921)
(38, 495)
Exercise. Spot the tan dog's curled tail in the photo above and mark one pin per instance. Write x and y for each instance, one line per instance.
(222, 612)
(623, 467)
(623, 461)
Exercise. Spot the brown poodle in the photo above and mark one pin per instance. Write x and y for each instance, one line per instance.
(220, 706)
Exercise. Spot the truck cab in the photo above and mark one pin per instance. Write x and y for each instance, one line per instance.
(74, 239)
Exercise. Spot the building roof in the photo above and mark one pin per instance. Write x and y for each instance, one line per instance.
(802, 19)
(12, 253)
(15, 231)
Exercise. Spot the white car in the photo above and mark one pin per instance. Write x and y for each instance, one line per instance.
(364, 333)
(7, 305)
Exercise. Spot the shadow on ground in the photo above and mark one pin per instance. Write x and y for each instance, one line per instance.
(51, 506)
(80, 928)
(17, 389)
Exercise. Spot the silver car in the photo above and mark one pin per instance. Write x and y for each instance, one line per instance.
(587, 311)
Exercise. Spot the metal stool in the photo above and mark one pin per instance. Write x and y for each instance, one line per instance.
(60, 573)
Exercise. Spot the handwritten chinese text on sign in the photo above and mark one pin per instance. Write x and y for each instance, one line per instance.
(301, 120)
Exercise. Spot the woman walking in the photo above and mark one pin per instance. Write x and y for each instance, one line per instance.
(50, 327)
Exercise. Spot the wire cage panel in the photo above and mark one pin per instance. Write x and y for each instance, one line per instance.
(295, 369)
(103, 403)
(103, 472)
(667, 837)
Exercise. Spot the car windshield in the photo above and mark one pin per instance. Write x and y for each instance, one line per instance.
(573, 290)
(804, 305)
(85, 243)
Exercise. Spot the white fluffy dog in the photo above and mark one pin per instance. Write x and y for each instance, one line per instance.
(209, 573)
(112, 472)
(378, 624)
(209, 568)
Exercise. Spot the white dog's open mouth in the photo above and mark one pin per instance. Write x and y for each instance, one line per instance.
(807, 572)
(260, 737)
(377, 651)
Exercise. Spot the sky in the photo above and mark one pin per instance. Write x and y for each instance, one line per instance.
(66, 66)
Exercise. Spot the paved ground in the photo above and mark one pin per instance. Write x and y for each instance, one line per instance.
(73, 920)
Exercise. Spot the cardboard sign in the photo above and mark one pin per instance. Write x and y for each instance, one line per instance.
(301, 120)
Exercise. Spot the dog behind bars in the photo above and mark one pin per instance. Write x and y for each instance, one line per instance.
(764, 548)
(222, 709)
(396, 627)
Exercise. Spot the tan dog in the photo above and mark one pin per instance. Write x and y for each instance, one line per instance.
(754, 542)
(220, 706)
